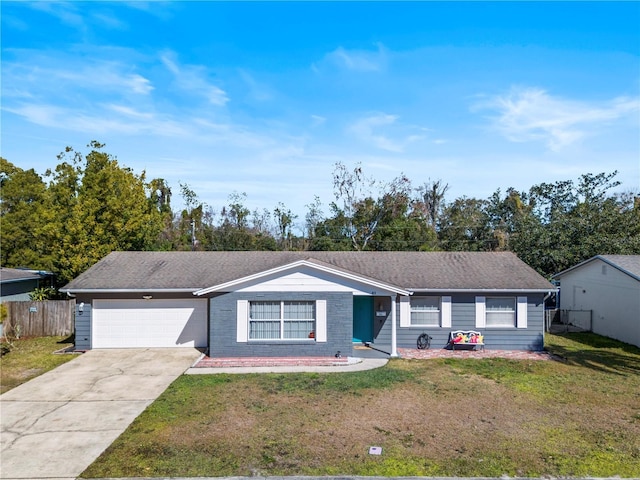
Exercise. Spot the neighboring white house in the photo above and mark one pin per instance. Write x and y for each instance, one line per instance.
(609, 286)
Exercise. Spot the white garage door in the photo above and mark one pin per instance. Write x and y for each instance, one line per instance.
(149, 323)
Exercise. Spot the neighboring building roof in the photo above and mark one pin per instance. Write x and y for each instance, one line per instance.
(629, 264)
(191, 271)
(9, 275)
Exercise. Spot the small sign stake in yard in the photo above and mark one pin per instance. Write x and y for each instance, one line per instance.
(375, 450)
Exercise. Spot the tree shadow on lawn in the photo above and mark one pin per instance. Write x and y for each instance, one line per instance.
(597, 353)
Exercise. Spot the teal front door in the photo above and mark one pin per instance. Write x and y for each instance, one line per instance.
(363, 319)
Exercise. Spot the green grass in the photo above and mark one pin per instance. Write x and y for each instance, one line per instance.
(579, 416)
(31, 357)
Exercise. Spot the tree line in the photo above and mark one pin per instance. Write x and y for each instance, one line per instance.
(90, 205)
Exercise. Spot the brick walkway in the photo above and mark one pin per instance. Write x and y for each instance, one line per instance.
(208, 362)
(443, 353)
(407, 353)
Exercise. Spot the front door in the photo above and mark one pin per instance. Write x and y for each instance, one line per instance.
(362, 319)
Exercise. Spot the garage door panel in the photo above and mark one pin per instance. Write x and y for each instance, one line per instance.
(149, 323)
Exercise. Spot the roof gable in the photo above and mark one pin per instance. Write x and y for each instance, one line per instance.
(627, 264)
(300, 266)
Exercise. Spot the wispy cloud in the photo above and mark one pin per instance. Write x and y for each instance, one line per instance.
(355, 60)
(376, 130)
(193, 78)
(532, 114)
(317, 120)
(57, 77)
(66, 12)
(105, 119)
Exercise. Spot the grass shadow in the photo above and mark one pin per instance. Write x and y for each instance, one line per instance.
(70, 339)
(596, 352)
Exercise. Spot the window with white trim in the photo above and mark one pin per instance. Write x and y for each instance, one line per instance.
(500, 311)
(425, 311)
(282, 320)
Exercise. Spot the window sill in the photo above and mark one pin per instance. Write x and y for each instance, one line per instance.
(291, 341)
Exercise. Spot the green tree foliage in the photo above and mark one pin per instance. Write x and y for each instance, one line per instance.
(565, 223)
(284, 221)
(464, 225)
(25, 215)
(43, 293)
(91, 207)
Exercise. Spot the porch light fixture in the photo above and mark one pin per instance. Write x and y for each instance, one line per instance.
(147, 297)
(81, 308)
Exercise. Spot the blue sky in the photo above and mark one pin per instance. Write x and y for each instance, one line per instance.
(265, 98)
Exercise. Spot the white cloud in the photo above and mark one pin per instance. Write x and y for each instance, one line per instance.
(66, 12)
(56, 77)
(532, 114)
(109, 21)
(368, 130)
(193, 78)
(356, 60)
(103, 120)
(317, 120)
(257, 91)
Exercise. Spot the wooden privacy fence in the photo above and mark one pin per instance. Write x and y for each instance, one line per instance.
(40, 319)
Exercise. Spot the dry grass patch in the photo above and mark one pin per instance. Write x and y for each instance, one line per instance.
(31, 357)
(431, 417)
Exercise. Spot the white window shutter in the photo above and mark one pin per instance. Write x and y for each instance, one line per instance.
(405, 311)
(445, 311)
(242, 323)
(321, 321)
(481, 318)
(521, 313)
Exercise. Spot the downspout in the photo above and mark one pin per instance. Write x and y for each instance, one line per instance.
(394, 334)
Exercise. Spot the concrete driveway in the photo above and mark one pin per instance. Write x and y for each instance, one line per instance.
(57, 424)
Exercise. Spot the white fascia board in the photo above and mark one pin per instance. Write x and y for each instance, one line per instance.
(128, 290)
(229, 286)
(570, 269)
(482, 290)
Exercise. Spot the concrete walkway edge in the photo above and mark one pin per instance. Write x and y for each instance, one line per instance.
(354, 365)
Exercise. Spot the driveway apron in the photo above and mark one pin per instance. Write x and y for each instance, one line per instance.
(57, 424)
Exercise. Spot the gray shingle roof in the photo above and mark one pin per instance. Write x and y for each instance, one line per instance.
(628, 263)
(17, 274)
(407, 270)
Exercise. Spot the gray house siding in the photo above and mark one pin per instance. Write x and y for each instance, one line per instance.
(83, 325)
(223, 327)
(18, 291)
(463, 317)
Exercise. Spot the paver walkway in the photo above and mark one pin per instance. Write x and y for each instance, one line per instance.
(444, 353)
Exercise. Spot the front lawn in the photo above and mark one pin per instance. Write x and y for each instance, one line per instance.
(31, 357)
(447, 417)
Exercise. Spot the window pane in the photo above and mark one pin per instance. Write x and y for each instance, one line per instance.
(425, 303)
(264, 310)
(299, 310)
(425, 311)
(501, 311)
(425, 318)
(501, 304)
(264, 330)
(298, 329)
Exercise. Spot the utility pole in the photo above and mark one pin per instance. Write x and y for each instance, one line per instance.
(193, 234)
